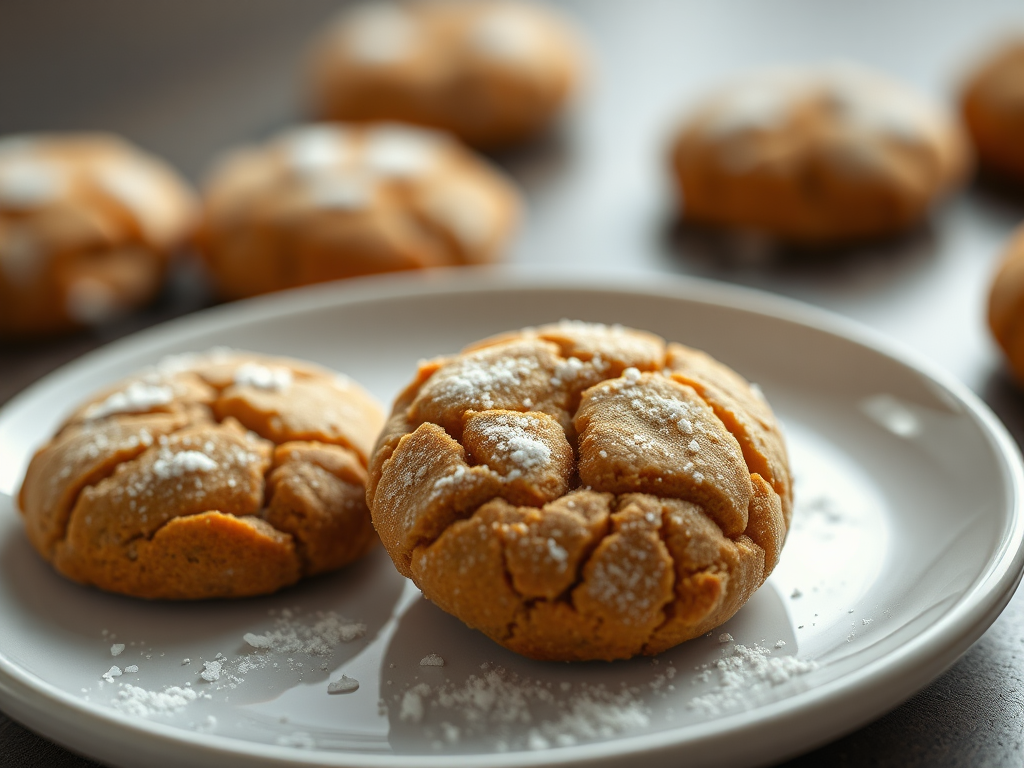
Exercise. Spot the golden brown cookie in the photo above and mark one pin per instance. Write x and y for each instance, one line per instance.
(992, 103)
(325, 202)
(816, 156)
(225, 474)
(87, 224)
(493, 72)
(1006, 305)
(579, 491)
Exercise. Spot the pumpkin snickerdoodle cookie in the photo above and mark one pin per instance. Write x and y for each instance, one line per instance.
(326, 202)
(578, 491)
(88, 223)
(816, 156)
(224, 474)
(493, 72)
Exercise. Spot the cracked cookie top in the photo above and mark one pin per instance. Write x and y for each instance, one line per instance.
(87, 225)
(324, 202)
(816, 155)
(215, 475)
(582, 491)
(493, 72)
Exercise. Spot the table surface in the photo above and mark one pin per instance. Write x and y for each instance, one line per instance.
(189, 79)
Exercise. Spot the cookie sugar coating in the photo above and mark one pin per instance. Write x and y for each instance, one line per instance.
(493, 72)
(992, 104)
(579, 491)
(87, 225)
(816, 155)
(225, 474)
(325, 202)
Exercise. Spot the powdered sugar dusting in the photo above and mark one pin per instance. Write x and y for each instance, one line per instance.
(317, 637)
(432, 660)
(742, 674)
(138, 702)
(171, 465)
(508, 436)
(274, 379)
(137, 397)
(378, 33)
(474, 381)
(508, 34)
(492, 704)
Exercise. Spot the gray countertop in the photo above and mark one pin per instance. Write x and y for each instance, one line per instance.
(190, 78)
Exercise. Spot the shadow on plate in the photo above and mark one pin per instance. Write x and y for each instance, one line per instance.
(1004, 396)
(159, 634)
(998, 196)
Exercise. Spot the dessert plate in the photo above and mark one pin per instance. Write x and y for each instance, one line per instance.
(905, 546)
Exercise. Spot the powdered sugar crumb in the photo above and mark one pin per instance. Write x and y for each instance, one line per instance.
(344, 685)
(116, 649)
(136, 701)
(211, 671)
(111, 673)
(273, 379)
(432, 660)
(137, 397)
(742, 675)
(170, 464)
(493, 703)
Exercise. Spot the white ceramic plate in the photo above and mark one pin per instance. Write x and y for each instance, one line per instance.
(906, 544)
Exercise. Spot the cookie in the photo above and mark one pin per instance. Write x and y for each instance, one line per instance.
(578, 491)
(816, 156)
(87, 225)
(225, 474)
(326, 202)
(493, 72)
(1006, 305)
(992, 104)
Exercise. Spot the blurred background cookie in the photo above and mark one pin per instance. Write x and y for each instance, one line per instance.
(218, 475)
(87, 225)
(1006, 305)
(326, 202)
(493, 72)
(580, 491)
(992, 102)
(816, 155)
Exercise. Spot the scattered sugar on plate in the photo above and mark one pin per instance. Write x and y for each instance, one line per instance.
(137, 701)
(725, 637)
(117, 649)
(742, 675)
(345, 685)
(131, 669)
(432, 660)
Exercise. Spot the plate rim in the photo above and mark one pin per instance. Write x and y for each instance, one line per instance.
(25, 697)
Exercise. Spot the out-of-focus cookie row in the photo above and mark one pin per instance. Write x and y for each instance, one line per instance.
(818, 155)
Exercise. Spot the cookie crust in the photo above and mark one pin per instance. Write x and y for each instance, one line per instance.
(225, 474)
(578, 491)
